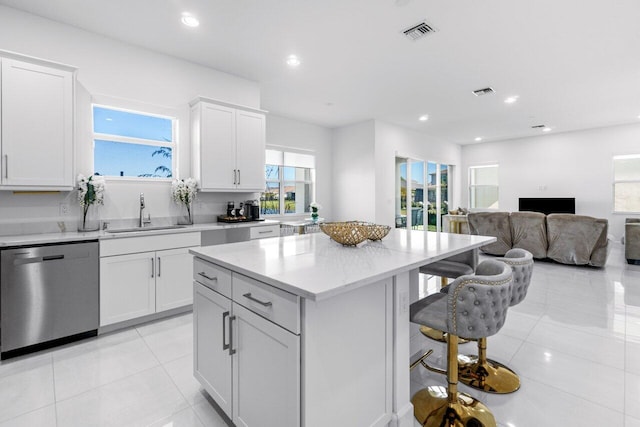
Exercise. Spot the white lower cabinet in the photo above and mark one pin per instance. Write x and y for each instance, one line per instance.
(212, 362)
(127, 287)
(266, 372)
(144, 282)
(248, 364)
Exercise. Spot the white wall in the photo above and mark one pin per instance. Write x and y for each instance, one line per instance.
(115, 69)
(285, 133)
(571, 164)
(354, 173)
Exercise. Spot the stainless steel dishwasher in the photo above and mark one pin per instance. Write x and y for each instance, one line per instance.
(48, 295)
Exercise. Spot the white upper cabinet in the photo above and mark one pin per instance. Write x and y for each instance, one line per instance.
(228, 144)
(37, 125)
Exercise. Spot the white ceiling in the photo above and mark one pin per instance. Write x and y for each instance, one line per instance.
(574, 64)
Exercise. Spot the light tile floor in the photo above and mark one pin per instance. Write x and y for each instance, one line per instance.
(575, 341)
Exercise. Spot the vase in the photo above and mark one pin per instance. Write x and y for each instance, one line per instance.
(186, 216)
(89, 219)
(314, 215)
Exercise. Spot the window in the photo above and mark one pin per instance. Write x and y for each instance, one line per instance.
(133, 144)
(483, 187)
(290, 182)
(626, 183)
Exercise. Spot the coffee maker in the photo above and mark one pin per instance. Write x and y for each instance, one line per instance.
(255, 210)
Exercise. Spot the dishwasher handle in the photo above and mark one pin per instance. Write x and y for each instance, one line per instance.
(18, 260)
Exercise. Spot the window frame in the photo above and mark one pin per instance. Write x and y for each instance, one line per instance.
(471, 187)
(282, 183)
(143, 110)
(621, 181)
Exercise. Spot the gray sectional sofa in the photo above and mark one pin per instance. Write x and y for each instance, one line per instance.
(565, 238)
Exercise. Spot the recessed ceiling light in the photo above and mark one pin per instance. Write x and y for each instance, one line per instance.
(478, 139)
(511, 99)
(293, 61)
(423, 118)
(547, 129)
(189, 20)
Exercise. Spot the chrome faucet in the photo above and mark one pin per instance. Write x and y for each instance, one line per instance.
(143, 221)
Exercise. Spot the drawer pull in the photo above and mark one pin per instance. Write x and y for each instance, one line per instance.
(231, 350)
(265, 232)
(262, 303)
(203, 274)
(225, 346)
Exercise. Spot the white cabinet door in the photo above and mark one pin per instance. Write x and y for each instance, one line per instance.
(174, 287)
(250, 146)
(211, 358)
(217, 147)
(127, 287)
(228, 146)
(37, 125)
(266, 372)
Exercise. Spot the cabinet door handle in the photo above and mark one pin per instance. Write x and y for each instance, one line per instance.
(153, 268)
(225, 346)
(262, 303)
(6, 166)
(238, 176)
(203, 274)
(234, 177)
(159, 269)
(231, 350)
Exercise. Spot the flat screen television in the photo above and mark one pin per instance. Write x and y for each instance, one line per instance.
(548, 205)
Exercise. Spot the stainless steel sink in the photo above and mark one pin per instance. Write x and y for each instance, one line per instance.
(151, 228)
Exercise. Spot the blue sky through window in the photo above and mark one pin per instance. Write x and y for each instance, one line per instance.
(124, 123)
(126, 156)
(132, 160)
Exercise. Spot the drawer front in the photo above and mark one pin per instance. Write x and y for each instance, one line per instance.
(213, 277)
(157, 242)
(266, 231)
(273, 304)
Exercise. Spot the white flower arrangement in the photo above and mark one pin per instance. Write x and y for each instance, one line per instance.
(90, 192)
(184, 191)
(315, 206)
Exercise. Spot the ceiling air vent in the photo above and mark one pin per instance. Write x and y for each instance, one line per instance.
(485, 91)
(537, 126)
(418, 31)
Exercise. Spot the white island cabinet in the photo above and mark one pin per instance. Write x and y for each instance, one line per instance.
(301, 331)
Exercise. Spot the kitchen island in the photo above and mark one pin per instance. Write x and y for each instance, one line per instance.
(302, 331)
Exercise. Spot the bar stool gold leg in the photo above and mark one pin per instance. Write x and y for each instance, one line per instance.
(485, 374)
(438, 406)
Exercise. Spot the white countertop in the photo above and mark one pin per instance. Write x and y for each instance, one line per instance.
(314, 266)
(73, 236)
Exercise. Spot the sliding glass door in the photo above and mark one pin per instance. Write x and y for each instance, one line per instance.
(422, 194)
(410, 195)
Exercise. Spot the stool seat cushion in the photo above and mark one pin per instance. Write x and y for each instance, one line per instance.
(435, 316)
(444, 268)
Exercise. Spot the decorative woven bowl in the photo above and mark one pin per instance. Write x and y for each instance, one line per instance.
(377, 231)
(346, 233)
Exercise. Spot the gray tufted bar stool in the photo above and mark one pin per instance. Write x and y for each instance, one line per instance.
(474, 306)
(486, 374)
(449, 268)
